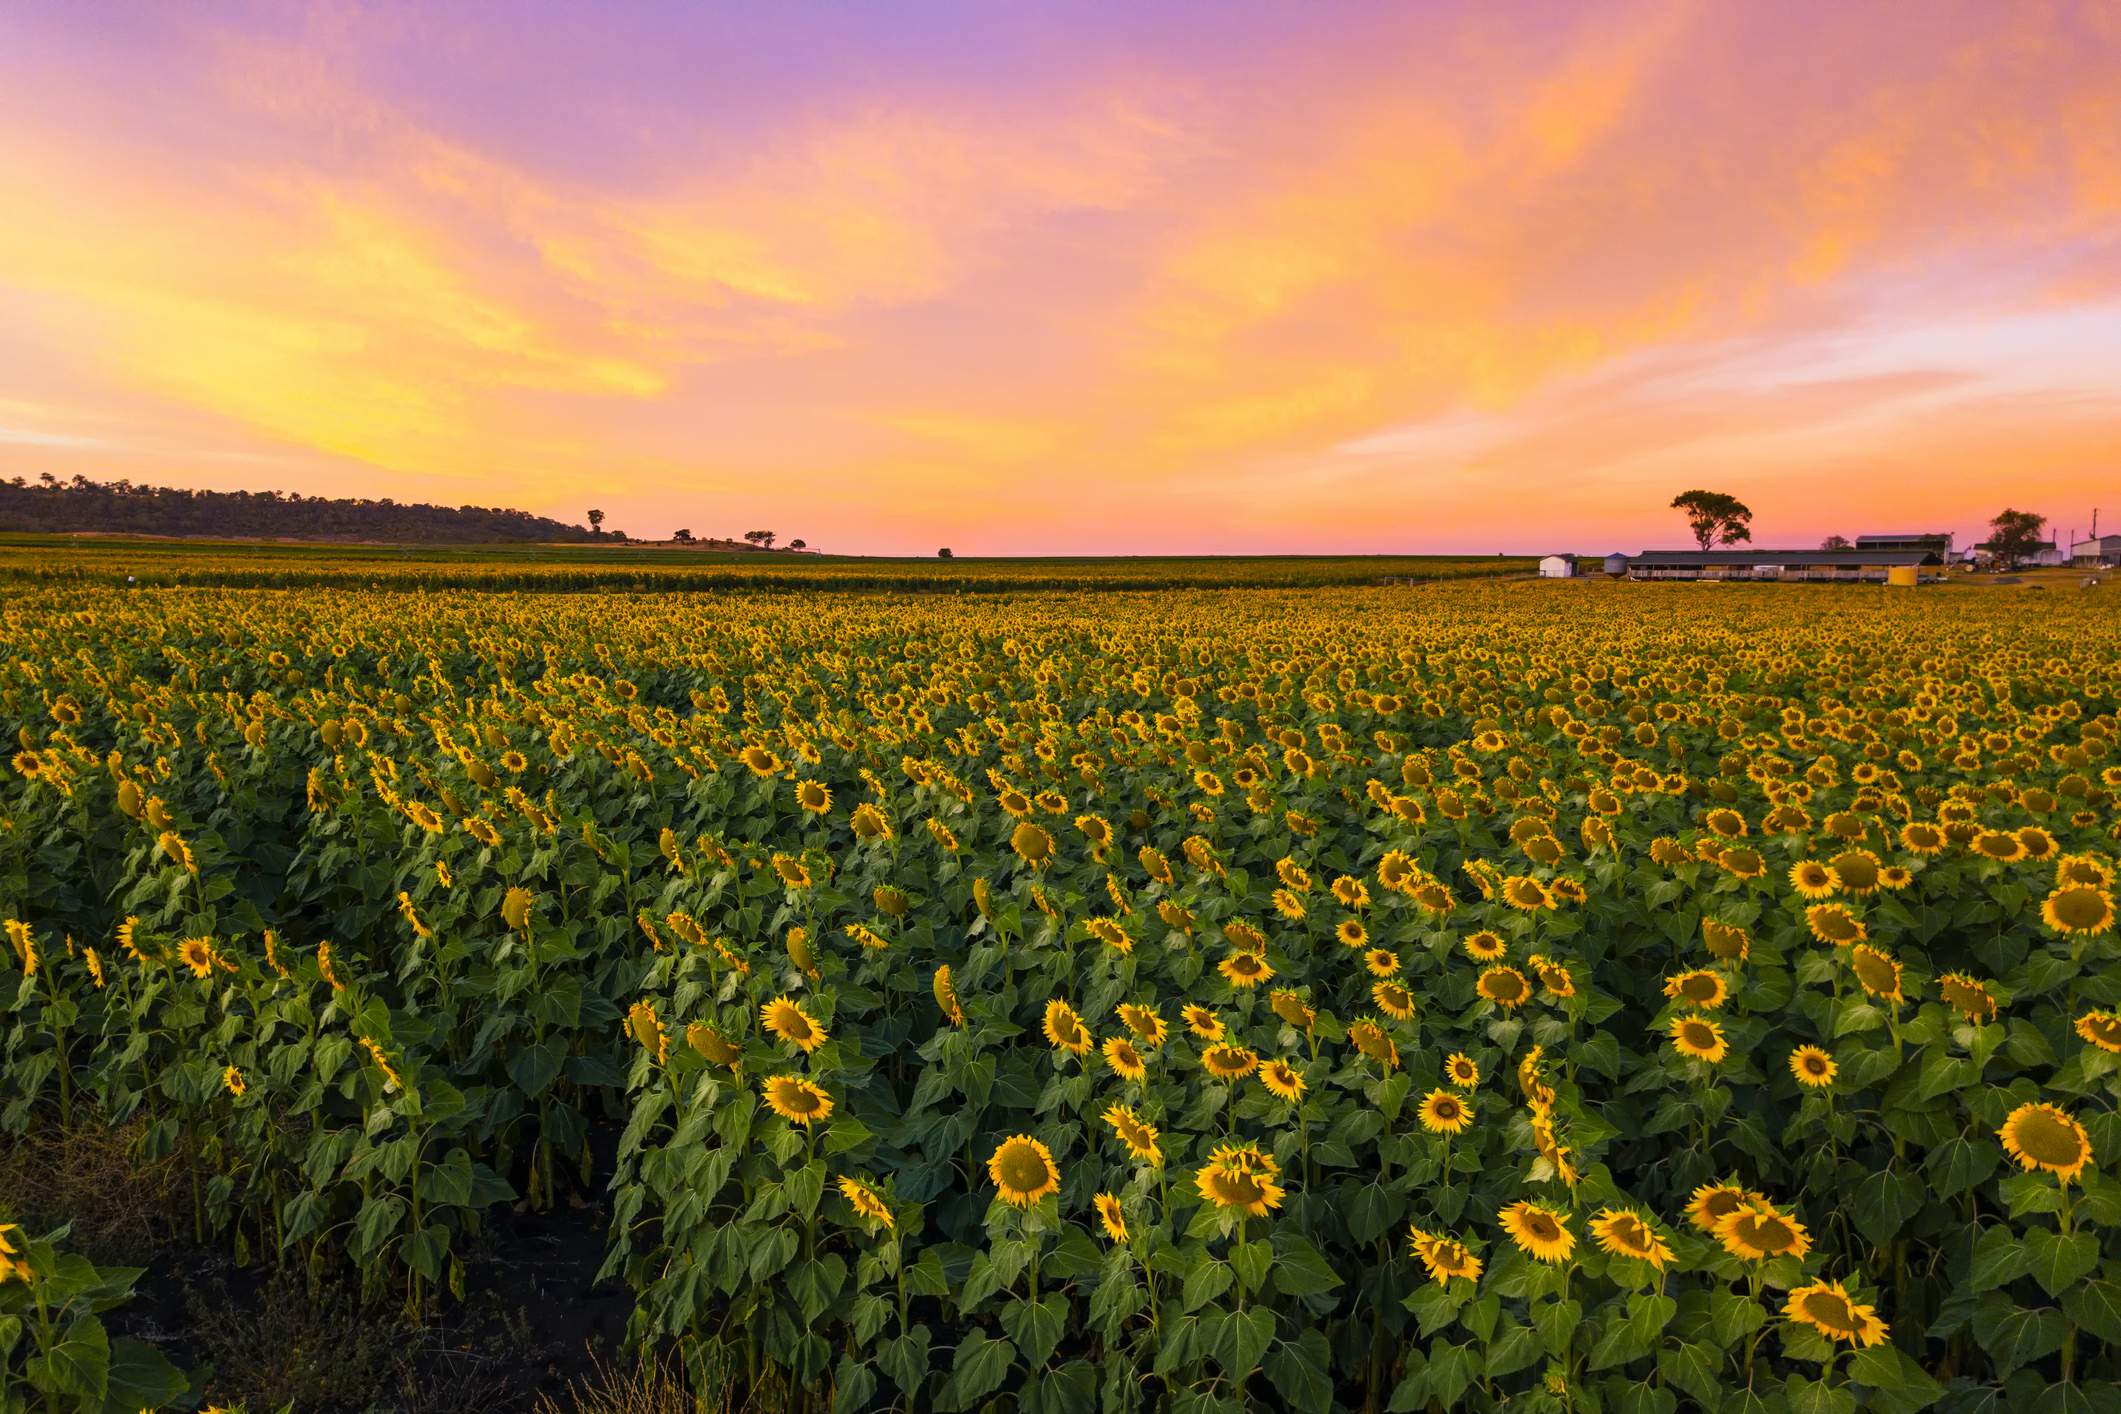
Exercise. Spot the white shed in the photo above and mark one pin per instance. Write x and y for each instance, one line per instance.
(1557, 567)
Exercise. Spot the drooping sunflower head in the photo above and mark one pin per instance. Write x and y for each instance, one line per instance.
(1832, 923)
(1876, 970)
(1023, 1169)
(1234, 1184)
(1541, 1233)
(1742, 862)
(2043, 1136)
(868, 1204)
(1967, 996)
(792, 1024)
(797, 1100)
(711, 1044)
(1064, 1029)
(1227, 1062)
(1505, 986)
(1629, 1234)
(1138, 1135)
(1757, 1231)
(1714, 1202)
(1369, 1038)
(1293, 1009)
(646, 1028)
(1727, 942)
(1202, 1022)
(1442, 1112)
(1109, 932)
(1111, 1216)
(1828, 1308)
(2101, 1029)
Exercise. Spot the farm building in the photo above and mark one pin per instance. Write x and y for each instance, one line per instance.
(1939, 541)
(2044, 553)
(2100, 552)
(1846, 566)
(1569, 566)
(1557, 567)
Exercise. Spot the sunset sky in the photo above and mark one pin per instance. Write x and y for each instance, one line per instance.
(1073, 277)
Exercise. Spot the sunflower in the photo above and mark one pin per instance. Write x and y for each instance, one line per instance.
(792, 1024)
(797, 1100)
(1245, 970)
(1811, 879)
(1290, 1006)
(1921, 837)
(198, 954)
(646, 1028)
(1831, 923)
(1240, 1179)
(1445, 1113)
(1699, 988)
(2072, 869)
(1393, 1000)
(1368, 1037)
(1023, 1169)
(760, 761)
(1540, 1232)
(1202, 1022)
(1757, 1231)
(1967, 996)
(1725, 822)
(1894, 877)
(1742, 862)
(1827, 1308)
(1699, 1038)
(1032, 844)
(1484, 946)
(2101, 1029)
(1813, 1067)
(868, 1204)
(1065, 1030)
(1126, 1062)
(1525, 894)
(1137, 1134)
(2081, 910)
(1629, 1234)
(1444, 1258)
(2041, 1136)
(1351, 933)
(1282, 1080)
(1556, 979)
(1351, 892)
(1999, 845)
(1877, 972)
(711, 1044)
(13, 1264)
(1148, 1027)
(232, 1079)
(1462, 1070)
(1111, 1216)
(1714, 1202)
(1505, 986)
(1727, 942)
(1395, 870)
(793, 872)
(1228, 1062)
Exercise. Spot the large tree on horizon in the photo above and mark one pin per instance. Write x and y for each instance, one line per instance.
(1714, 517)
(2013, 535)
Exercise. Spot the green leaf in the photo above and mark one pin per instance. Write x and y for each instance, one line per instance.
(1733, 1317)
(1515, 1348)
(1299, 1270)
(1204, 1283)
(2014, 1336)
(1898, 1385)
(1959, 1164)
(77, 1363)
(2056, 1261)
(140, 1377)
(534, 1067)
(1803, 1396)
(2096, 1307)
(1450, 1372)
(375, 1223)
(905, 1359)
(981, 1364)
(1035, 1327)
(1237, 1339)
(1999, 1258)
(1694, 1368)
(1249, 1262)
(1298, 1370)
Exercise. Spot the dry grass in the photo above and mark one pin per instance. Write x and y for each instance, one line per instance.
(647, 1387)
(92, 1177)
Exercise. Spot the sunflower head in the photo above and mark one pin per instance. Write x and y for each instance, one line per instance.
(2043, 1136)
(1541, 1233)
(1828, 1308)
(797, 1100)
(1462, 1070)
(1813, 1067)
(1023, 1170)
(792, 1024)
(1757, 1231)
(1136, 1134)
(1629, 1234)
(1442, 1112)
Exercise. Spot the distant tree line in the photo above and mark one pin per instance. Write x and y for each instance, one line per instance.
(52, 506)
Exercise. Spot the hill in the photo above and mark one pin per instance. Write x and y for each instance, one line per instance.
(82, 506)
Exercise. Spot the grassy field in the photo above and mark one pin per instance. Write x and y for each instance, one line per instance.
(1488, 994)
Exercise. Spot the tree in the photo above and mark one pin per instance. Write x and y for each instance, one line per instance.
(762, 538)
(682, 536)
(943, 554)
(596, 522)
(1835, 542)
(2013, 535)
(797, 544)
(1715, 518)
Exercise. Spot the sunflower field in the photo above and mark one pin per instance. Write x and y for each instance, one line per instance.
(1464, 995)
